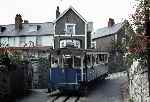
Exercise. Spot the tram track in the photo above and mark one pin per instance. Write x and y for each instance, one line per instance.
(60, 97)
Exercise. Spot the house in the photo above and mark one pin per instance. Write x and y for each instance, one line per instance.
(33, 40)
(111, 39)
(71, 29)
(27, 36)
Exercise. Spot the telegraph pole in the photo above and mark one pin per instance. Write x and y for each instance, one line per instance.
(147, 33)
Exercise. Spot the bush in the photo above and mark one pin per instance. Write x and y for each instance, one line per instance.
(130, 100)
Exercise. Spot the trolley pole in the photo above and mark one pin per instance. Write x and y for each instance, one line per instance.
(147, 33)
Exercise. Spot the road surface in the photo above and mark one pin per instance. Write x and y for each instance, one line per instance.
(108, 90)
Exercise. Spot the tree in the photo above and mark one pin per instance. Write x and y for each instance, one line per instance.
(138, 18)
(140, 45)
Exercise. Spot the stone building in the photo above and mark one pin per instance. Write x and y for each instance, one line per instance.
(71, 29)
(108, 38)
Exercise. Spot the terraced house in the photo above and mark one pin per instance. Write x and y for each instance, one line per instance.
(25, 35)
(71, 29)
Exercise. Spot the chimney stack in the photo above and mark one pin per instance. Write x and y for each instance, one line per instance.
(111, 22)
(26, 21)
(18, 22)
(57, 12)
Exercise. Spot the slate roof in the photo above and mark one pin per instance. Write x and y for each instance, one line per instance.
(29, 29)
(108, 30)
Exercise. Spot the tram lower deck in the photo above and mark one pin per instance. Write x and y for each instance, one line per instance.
(74, 68)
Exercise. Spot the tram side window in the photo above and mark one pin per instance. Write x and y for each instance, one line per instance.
(102, 57)
(93, 60)
(87, 61)
(77, 61)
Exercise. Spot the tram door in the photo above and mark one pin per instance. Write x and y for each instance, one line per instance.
(70, 68)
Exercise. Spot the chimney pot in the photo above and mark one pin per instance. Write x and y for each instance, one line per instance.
(57, 12)
(111, 22)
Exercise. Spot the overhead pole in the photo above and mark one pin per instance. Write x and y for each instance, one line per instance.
(147, 33)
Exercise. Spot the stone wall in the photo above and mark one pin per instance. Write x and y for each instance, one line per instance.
(138, 82)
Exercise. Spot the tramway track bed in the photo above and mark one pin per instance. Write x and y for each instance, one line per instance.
(65, 97)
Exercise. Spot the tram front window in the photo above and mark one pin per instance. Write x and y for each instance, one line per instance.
(67, 61)
(71, 61)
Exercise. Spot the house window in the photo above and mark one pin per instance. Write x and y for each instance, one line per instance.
(75, 43)
(22, 41)
(38, 40)
(70, 29)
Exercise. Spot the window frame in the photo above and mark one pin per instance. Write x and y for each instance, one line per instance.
(70, 24)
(22, 40)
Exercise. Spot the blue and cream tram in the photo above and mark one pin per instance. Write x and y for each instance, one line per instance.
(73, 68)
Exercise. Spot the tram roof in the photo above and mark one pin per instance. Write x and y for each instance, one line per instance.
(76, 51)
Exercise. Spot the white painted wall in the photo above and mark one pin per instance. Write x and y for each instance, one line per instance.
(30, 38)
(15, 41)
(47, 41)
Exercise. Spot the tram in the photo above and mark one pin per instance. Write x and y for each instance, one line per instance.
(74, 68)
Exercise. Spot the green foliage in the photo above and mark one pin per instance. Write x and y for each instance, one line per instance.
(137, 42)
(130, 100)
(4, 59)
(44, 62)
(9, 58)
(138, 18)
(15, 58)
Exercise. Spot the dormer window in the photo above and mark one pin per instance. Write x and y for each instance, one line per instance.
(3, 29)
(70, 29)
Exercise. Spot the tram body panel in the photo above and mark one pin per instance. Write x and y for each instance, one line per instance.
(96, 72)
(64, 78)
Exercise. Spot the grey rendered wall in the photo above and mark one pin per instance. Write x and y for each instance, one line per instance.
(104, 43)
(70, 17)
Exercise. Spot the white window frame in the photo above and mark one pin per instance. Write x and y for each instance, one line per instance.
(38, 40)
(65, 42)
(116, 37)
(66, 33)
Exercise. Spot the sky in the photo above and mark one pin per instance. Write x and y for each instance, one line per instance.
(38, 11)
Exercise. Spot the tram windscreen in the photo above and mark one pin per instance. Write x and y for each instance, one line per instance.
(67, 61)
(71, 61)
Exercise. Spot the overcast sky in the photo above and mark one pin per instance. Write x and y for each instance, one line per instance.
(40, 11)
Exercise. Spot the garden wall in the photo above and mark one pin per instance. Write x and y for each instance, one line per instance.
(138, 82)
